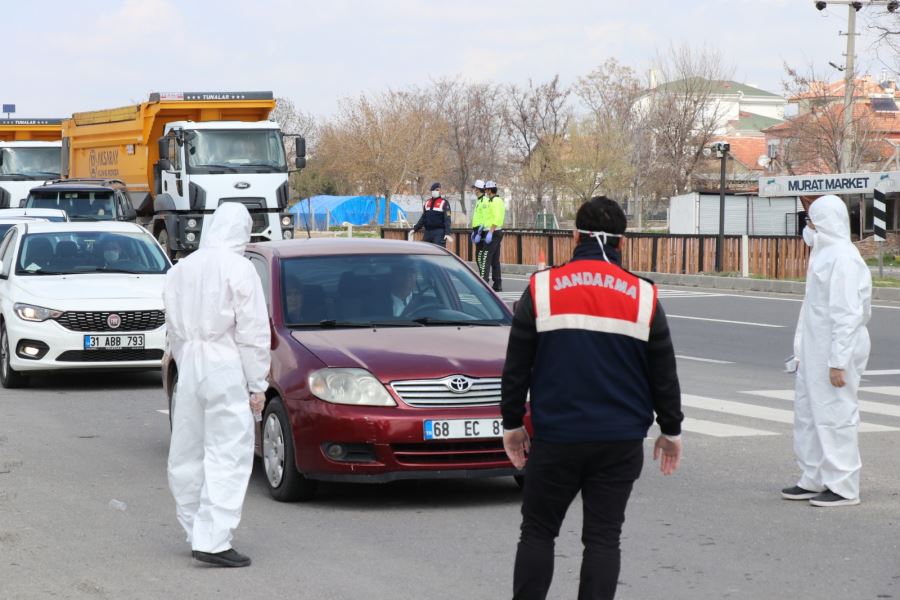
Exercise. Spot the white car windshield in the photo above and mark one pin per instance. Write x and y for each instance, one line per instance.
(387, 290)
(71, 252)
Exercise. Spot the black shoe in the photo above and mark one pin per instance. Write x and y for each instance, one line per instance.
(228, 558)
(829, 498)
(798, 493)
(498, 287)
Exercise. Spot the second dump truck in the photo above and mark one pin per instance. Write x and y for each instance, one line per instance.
(29, 156)
(183, 154)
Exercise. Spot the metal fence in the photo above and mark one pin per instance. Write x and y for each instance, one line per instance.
(769, 257)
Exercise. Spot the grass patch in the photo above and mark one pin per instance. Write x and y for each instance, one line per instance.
(890, 260)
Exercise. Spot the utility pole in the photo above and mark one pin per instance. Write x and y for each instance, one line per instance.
(721, 149)
(849, 80)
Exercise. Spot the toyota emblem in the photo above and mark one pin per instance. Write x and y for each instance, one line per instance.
(114, 321)
(459, 384)
(242, 185)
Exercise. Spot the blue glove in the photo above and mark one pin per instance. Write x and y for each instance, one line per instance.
(476, 238)
(489, 237)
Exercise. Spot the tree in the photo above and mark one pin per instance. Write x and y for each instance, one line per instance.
(594, 159)
(813, 140)
(473, 129)
(681, 116)
(536, 120)
(382, 143)
(294, 122)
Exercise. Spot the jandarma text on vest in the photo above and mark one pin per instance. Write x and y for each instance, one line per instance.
(596, 279)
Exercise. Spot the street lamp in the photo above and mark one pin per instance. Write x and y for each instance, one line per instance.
(721, 149)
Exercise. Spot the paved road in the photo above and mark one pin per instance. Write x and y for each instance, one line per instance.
(715, 530)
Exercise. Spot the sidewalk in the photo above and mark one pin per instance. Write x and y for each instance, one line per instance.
(883, 294)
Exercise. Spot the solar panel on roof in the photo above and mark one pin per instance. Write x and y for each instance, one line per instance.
(884, 105)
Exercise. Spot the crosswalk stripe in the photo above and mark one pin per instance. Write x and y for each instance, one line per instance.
(714, 429)
(887, 390)
(755, 411)
(883, 372)
(866, 406)
(164, 411)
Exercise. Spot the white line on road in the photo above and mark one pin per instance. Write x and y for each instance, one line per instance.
(164, 411)
(755, 411)
(866, 406)
(724, 321)
(720, 429)
(706, 360)
(883, 372)
(888, 390)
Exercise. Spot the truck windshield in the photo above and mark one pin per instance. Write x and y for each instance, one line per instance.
(30, 163)
(235, 151)
(69, 252)
(80, 206)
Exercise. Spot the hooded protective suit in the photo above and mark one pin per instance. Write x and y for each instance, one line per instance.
(218, 332)
(831, 333)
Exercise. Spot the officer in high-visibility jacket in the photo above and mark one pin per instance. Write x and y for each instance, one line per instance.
(479, 218)
(590, 342)
(435, 218)
(495, 214)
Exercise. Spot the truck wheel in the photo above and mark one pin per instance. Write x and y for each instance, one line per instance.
(8, 377)
(163, 239)
(285, 482)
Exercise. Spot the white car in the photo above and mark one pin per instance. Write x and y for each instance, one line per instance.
(50, 214)
(76, 296)
(6, 223)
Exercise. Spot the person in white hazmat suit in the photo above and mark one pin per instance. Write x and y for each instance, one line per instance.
(831, 346)
(218, 332)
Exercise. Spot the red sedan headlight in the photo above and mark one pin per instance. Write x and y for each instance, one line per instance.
(349, 386)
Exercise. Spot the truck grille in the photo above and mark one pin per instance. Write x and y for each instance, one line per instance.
(448, 453)
(95, 356)
(132, 320)
(453, 391)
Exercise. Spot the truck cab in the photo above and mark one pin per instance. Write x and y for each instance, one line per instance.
(30, 153)
(84, 199)
(205, 164)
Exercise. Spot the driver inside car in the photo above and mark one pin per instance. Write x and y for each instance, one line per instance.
(403, 284)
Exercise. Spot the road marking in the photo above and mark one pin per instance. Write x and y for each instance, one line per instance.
(866, 406)
(714, 429)
(706, 360)
(755, 411)
(887, 390)
(883, 372)
(725, 321)
(165, 412)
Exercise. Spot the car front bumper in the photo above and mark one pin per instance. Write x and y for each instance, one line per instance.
(389, 443)
(66, 348)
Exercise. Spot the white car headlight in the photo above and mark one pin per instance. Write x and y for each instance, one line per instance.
(349, 386)
(29, 312)
(286, 221)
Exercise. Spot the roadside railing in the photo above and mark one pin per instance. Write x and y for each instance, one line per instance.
(767, 257)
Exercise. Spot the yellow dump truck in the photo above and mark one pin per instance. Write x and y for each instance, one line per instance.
(29, 156)
(182, 155)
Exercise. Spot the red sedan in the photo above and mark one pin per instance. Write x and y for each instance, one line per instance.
(386, 364)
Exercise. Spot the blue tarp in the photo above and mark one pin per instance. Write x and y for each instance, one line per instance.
(336, 210)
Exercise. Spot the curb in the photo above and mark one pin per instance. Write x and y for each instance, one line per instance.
(739, 284)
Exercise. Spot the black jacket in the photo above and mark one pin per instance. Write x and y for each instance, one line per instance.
(589, 386)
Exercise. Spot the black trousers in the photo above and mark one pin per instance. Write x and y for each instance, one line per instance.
(604, 472)
(491, 269)
(436, 236)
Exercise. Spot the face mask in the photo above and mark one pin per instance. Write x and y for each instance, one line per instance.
(111, 255)
(601, 237)
(809, 236)
(435, 193)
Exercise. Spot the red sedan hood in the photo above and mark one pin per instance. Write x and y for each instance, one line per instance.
(395, 353)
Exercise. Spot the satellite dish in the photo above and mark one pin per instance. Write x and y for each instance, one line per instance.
(764, 161)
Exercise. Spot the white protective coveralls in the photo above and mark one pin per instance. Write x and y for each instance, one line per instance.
(831, 333)
(218, 332)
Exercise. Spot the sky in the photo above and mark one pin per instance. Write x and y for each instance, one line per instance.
(64, 56)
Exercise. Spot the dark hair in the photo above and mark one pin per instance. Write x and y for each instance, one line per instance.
(601, 214)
